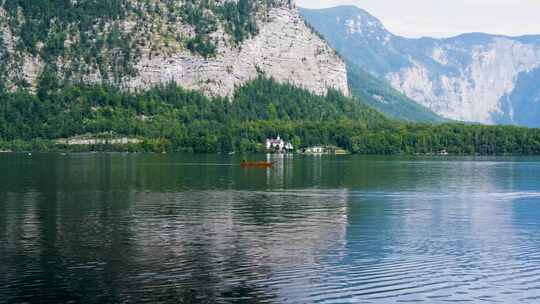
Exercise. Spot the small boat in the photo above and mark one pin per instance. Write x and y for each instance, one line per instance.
(261, 164)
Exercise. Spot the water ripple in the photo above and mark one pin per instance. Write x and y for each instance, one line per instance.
(407, 232)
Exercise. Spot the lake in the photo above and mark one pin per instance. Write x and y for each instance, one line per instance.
(152, 228)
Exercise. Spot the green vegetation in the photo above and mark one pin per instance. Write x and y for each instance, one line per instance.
(237, 18)
(76, 38)
(48, 21)
(85, 32)
(170, 118)
(375, 92)
(384, 98)
(184, 120)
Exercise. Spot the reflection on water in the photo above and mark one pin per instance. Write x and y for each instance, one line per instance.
(198, 228)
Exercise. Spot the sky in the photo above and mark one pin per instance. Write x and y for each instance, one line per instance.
(446, 18)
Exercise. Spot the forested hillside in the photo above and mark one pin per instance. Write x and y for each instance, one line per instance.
(169, 118)
(44, 25)
(209, 45)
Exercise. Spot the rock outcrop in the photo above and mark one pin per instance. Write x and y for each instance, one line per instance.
(151, 49)
(473, 77)
(285, 49)
(473, 89)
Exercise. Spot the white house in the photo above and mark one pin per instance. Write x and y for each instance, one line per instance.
(278, 144)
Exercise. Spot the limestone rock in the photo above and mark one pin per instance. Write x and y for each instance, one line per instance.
(474, 77)
(284, 48)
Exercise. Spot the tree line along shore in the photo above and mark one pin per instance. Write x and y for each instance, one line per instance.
(169, 118)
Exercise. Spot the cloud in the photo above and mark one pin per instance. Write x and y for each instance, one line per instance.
(444, 18)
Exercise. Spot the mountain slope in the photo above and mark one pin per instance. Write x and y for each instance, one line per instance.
(375, 92)
(381, 96)
(169, 117)
(473, 77)
(212, 46)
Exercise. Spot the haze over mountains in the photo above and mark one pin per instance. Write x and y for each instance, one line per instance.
(473, 77)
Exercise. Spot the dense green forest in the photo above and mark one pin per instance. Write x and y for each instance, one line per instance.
(237, 18)
(170, 118)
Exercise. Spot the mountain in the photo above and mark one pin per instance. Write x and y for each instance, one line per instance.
(474, 77)
(213, 46)
(381, 96)
(376, 92)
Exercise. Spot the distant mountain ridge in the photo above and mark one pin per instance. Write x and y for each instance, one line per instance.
(473, 77)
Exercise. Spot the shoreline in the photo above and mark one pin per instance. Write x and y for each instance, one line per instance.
(240, 154)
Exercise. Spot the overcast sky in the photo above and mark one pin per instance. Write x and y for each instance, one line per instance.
(444, 18)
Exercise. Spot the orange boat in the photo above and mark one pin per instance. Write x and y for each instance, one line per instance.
(261, 164)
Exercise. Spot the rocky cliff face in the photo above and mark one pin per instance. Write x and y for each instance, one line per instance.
(284, 48)
(473, 77)
(470, 82)
(142, 43)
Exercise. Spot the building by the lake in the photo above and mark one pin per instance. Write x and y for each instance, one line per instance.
(278, 145)
(320, 150)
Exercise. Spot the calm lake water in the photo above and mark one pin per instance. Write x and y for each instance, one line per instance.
(100, 228)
